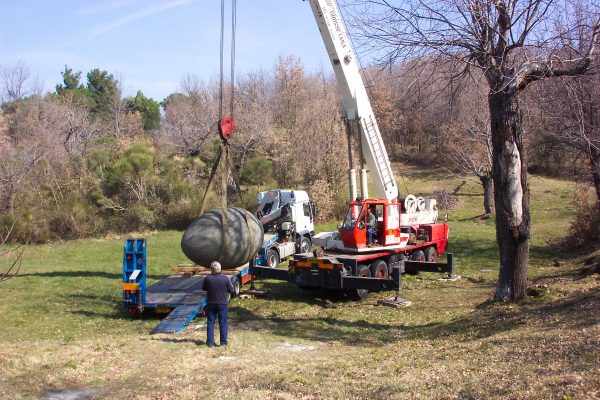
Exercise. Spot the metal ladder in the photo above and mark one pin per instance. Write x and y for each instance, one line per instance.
(381, 159)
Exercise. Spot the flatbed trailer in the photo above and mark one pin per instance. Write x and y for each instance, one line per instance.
(357, 273)
(180, 292)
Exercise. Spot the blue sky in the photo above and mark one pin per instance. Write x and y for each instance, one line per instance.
(151, 44)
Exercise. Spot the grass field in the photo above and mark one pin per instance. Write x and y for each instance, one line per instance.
(64, 332)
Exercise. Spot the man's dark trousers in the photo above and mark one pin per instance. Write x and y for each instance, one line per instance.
(212, 310)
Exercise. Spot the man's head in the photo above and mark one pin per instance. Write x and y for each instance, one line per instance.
(215, 267)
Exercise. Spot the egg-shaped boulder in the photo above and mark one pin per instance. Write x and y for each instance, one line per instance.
(207, 240)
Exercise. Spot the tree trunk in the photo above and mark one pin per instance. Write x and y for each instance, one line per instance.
(10, 200)
(488, 192)
(511, 195)
(595, 164)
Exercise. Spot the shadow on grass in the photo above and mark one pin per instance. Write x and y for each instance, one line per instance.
(106, 306)
(82, 274)
(182, 340)
(288, 292)
(490, 319)
(488, 250)
(575, 312)
(359, 333)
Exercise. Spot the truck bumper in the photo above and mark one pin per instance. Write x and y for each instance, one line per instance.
(327, 278)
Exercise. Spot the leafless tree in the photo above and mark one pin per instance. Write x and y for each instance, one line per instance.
(13, 81)
(191, 117)
(16, 164)
(10, 258)
(468, 140)
(570, 113)
(514, 43)
(117, 105)
(74, 124)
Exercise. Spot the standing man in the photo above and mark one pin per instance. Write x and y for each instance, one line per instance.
(218, 288)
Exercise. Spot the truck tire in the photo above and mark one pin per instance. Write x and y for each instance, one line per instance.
(272, 258)
(399, 258)
(379, 269)
(303, 246)
(417, 255)
(431, 254)
(358, 294)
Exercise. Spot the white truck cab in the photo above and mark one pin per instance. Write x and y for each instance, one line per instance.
(287, 217)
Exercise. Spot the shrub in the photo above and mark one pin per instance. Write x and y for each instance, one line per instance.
(328, 200)
(585, 229)
(257, 171)
(78, 218)
(446, 200)
(24, 229)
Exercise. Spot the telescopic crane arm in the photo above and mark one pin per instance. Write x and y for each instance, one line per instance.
(355, 101)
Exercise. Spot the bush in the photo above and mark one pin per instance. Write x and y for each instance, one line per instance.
(257, 171)
(25, 229)
(585, 229)
(76, 219)
(446, 200)
(328, 199)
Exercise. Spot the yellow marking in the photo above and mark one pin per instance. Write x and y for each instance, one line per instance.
(303, 264)
(132, 287)
(311, 263)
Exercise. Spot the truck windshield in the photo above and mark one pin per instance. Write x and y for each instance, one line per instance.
(350, 219)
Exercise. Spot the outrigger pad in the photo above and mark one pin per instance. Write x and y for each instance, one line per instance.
(395, 302)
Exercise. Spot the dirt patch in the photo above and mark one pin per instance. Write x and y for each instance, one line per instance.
(73, 394)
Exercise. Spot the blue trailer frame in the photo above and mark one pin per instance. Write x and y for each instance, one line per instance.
(180, 292)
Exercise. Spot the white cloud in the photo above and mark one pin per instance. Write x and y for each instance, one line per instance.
(95, 9)
(154, 9)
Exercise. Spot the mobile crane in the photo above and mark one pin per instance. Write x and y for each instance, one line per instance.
(408, 237)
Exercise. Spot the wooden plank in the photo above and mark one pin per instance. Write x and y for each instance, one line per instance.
(200, 270)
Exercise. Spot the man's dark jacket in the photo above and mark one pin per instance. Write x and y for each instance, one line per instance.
(217, 288)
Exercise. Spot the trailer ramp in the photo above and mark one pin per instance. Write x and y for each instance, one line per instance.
(178, 319)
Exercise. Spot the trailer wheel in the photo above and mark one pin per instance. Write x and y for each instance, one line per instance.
(272, 258)
(379, 269)
(303, 245)
(236, 287)
(358, 294)
(431, 254)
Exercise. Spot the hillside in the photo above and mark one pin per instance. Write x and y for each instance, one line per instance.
(64, 329)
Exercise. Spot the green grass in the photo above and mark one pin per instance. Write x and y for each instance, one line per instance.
(63, 327)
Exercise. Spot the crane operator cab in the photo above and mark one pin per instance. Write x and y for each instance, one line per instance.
(371, 223)
(375, 224)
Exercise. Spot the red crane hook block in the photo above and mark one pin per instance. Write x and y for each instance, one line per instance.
(226, 126)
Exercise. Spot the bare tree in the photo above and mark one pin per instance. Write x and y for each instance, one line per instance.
(570, 113)
(468, 140)
(16, 165)
(10, 258)
(13, 81)
(514, 43)
(191, 117)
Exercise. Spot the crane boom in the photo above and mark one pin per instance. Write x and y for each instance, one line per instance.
(355, 101)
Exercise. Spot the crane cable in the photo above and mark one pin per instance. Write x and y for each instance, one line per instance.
(223, 158)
